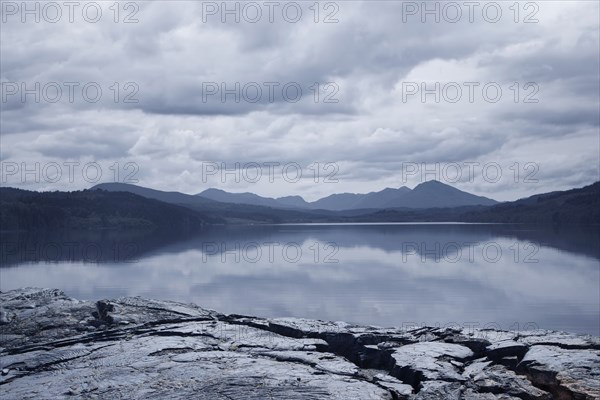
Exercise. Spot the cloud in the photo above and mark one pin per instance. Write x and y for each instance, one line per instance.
(352, 111)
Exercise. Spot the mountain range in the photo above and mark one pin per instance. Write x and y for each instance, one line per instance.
(430, 194)
(429, 201)
(119, 206)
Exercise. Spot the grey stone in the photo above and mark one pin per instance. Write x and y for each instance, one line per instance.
(4, 317)
(138, 348)
(506, 348)
(567, 373)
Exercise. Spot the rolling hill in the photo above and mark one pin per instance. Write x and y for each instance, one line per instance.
(93, 209)
(575, 206)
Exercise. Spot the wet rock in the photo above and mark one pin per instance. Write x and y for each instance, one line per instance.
(476, 345)
(161, 350)
(566, 373)
(101, 313)
(510, 362)
(430, 361)
(559, 339)
(396, 387)
(4, 317)
(497, 379)
(435, 390)
(506, 348)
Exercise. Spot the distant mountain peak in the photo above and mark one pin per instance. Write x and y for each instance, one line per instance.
(432, 182)
(435, 194)
(209, 190)
(389, 189)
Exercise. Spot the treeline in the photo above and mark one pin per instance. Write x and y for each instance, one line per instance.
(571, 207)
(92, 210)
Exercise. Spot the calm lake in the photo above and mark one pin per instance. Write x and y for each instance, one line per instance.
(499, 276)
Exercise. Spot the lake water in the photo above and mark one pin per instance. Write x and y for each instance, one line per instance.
(501, 276)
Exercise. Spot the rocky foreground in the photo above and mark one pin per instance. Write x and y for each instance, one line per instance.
(53, 346)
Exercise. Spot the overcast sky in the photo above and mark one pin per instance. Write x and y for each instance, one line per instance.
(163, 119)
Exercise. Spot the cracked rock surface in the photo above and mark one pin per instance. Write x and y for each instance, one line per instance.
(54, 347)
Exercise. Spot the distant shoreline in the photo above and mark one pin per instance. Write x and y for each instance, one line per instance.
(396, 223)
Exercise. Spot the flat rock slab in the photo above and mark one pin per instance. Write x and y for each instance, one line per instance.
(54, 347)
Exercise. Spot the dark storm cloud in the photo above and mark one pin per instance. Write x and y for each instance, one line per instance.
(558, 120)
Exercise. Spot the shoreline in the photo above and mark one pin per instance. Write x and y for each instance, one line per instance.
(54, 346)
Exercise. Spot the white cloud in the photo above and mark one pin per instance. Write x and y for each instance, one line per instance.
(369, 132)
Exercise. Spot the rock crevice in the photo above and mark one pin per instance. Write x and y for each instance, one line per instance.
(53, 346)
